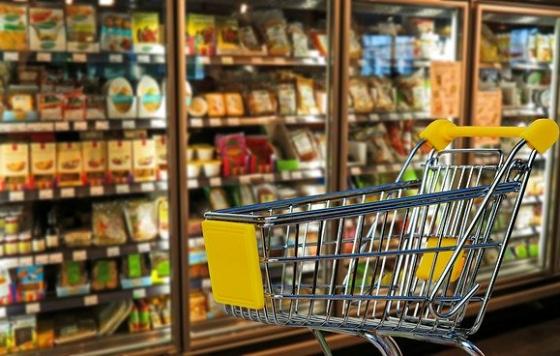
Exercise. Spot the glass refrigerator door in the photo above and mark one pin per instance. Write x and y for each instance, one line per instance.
(515, 83)
(405, 69)
(84, 231)
(257, 96)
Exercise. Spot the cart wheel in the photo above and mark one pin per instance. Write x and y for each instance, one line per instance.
(385, 344)
(322, 342)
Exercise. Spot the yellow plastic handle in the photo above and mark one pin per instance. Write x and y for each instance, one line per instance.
(540, 134)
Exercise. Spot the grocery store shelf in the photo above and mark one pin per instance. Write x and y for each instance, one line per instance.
(416, 63)
(257, 61)
(512, 111)
(395, 116)
(89, 58)
(256, 121)
(60, 255)
(520, 65)
(282, 4)
(57, 304)
(194, 183)
(375, 169)
(82, 192)
(85, 125)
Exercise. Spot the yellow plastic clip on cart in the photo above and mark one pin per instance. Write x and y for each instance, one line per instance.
(413, 264)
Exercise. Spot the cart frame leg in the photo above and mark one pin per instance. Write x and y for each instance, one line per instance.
(385, 344)
(322, 342)
(469, 347)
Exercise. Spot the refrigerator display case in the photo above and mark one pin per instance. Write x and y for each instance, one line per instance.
(86, 229)
(515, 82)
(256, 114)
(405, 65)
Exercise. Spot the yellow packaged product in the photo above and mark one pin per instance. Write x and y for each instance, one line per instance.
(144, 160)
(306, 97)
(363, 103)
(43, 164)
(69, 164)
(216, 105)
(13, 27)
(14, 167)
(234, 104)
(119, 159)
(95, 161)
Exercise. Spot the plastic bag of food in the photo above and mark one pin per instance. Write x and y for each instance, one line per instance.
(234, 104)
(306, 97)
(363, 103)
(382, 92)
(161, 268)
(135, 266)
(108, 224)
(141, 220)
(261, 103)
(304, 145)
(299, 40)
(274, 30)
(287, 99)
(216, 105)
(104, 275)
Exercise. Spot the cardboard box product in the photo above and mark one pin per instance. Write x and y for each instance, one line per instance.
(47, 32)
(116, 32)
(43, 164)
(51, 106)
(161, 154)
(95, 107)
(13, 27)
(94, 155)
(81, 28)
(69, 164)
(14, 167)
(201, 34)
(146, 33)
(74, 106)
(119, 158)
(144, 160)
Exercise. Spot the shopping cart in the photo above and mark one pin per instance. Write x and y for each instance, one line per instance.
(396, 260)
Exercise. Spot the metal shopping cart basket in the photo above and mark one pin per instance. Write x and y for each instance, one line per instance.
(396, 260)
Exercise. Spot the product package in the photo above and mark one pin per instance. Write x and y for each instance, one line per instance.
(363, 103)
(135, 271)
(72, 328)
(69, 164)
(233, 153)
(77, 237)
(47, 31)
(20, 106)
(198, 107)
(141, 220)
(201, 34)
(23, 333)
(105, 275)
(161, 267)
(145, 30)
(228, 41)
(51, 106)
(121, 102)
(81, 28)
(30, 284)
(116, 32)
(161, 156)
(306, 97)
(74, 106)
(261, 102)
(108, 224)
(95, 107)
(43, 164)
(144, 160)
(14, 165)
(298, 37)
(151, 101)
(162, 208)
(13, 27)
(216, 105)
(304, 145)
(119, 158)
(250, 42)
(287, 101)
(94, 156)
(234, 104)
(274, 29)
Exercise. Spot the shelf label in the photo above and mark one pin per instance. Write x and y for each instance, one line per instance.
(25, 261)
(2, 312)
(355, 170)
(269, 177)
(257, 60)
(96, 190)
(129, 124)
(115, 58)
(381, 168)
(159, 59)
(245, 179)
(285, 175)
(351, 118)
(139, 293)
(42, 259)
(233, 121)
(44, 57)
(79, 255)
(279, 60)
(215, 122)
(122, 188)
(68, 192)
(290, 119)
(196, 123)
(55, 258)
(192, 183)
(204, 60)
(143, 58)
(102, 125)
(374, 117)
(227, 60)
(147, 187)
(16, 196)
(80, 126)
(158, 124)
(91, 300)
(297, 175)
(32, 308)
(113, 251)
(215, 182)
(144, 247)
(62, 126)
(79, 57)
(45, 194)
(9, 263)
(11, 56)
